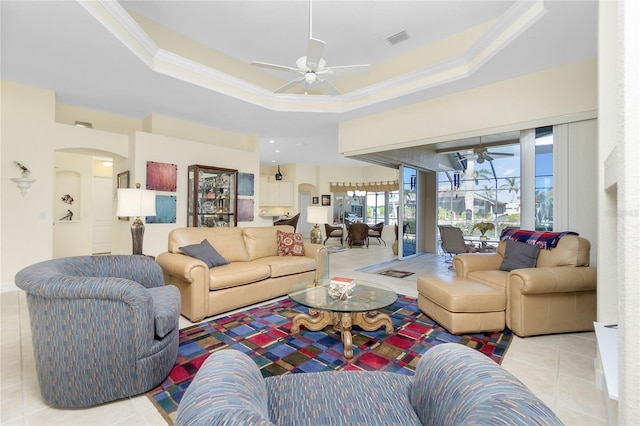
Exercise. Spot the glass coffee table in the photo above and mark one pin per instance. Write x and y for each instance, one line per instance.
(360, 309)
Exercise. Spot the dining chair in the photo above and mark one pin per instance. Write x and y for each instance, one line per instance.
(358, 232)
(332, 231)
(375, 231)
(293, 221)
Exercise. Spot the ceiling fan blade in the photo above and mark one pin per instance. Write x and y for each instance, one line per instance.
(289, 85)
(349, 69)
(327, 87)
(501, 154)
(486, 156)
(315, 48)
(274, 66)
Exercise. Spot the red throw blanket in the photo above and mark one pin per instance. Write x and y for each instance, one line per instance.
(546, 240)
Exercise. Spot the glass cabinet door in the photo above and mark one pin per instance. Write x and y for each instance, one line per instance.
(212, 199)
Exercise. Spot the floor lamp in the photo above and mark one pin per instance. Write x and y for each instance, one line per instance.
(136, 202)
(317, 215)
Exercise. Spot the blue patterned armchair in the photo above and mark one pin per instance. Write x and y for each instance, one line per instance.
(103, 327)
(452, 385)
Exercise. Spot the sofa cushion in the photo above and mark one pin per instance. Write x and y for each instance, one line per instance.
(263, 241)
(236, 274)
(519, 255)
(227, 241)
(457, 294)
(290, 244)
(205, 252)
(287, 265)
(338, 399)
(494, 277)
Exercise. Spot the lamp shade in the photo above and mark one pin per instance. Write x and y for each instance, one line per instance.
(136, 202)
(317, 214)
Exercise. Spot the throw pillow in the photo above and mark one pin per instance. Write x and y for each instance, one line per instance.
(205, 252)
(519, 255)
(290, 244)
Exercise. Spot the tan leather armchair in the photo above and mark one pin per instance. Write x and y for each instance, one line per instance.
(557, 296)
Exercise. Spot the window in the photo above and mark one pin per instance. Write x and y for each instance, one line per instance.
(544, 179)
(367, 207)
(377, 208)
(480, 185)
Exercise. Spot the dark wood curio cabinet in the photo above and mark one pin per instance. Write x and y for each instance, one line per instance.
(212, 196)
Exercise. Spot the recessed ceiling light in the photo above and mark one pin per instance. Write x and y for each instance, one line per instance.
(273, 161)
(277, 150)
(272, 141)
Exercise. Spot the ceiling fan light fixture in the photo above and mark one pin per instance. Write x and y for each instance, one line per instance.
(310, 77)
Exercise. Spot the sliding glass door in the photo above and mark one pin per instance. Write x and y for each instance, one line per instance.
(409, 224)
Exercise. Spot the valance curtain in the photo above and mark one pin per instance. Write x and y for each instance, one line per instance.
(364, 186)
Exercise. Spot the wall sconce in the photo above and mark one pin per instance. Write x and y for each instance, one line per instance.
(24, 183)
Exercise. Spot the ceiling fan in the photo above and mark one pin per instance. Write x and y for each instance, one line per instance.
(312, 67)
(481, 154)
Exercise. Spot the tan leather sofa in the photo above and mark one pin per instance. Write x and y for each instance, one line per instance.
(557, 296)
(255, 273)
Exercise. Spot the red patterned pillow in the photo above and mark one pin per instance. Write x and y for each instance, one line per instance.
(290, 244)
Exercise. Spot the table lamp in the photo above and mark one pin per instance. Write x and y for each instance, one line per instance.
(136, 202)
(317, 215)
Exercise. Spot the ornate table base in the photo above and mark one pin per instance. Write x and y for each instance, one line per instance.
(342, 322)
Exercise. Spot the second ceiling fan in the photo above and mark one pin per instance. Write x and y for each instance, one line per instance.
(481, 154)
(312, 67)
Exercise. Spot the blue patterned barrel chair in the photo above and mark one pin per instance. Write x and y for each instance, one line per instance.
(103, 327)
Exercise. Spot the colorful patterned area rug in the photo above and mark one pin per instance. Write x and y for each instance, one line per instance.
(264, 334)
(395, 273)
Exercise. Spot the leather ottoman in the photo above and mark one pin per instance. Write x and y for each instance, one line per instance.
(461, 305)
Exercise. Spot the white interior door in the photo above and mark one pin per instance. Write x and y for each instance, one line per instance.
(102, 214)
(304, 201)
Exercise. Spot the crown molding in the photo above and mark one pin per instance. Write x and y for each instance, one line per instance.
(507, 28)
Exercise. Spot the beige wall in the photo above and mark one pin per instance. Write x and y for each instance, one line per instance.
(100, 120)
(180, 129)
(34, 128)
(26, 136)
(514, 104)
(165, 149)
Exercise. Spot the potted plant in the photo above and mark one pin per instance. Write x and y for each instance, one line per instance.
(483, 227)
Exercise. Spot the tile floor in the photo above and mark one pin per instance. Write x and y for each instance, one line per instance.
(558, 368)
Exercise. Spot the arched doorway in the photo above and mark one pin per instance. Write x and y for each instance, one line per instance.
(83, 203)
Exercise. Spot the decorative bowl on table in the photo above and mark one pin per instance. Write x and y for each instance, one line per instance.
(341, 288)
